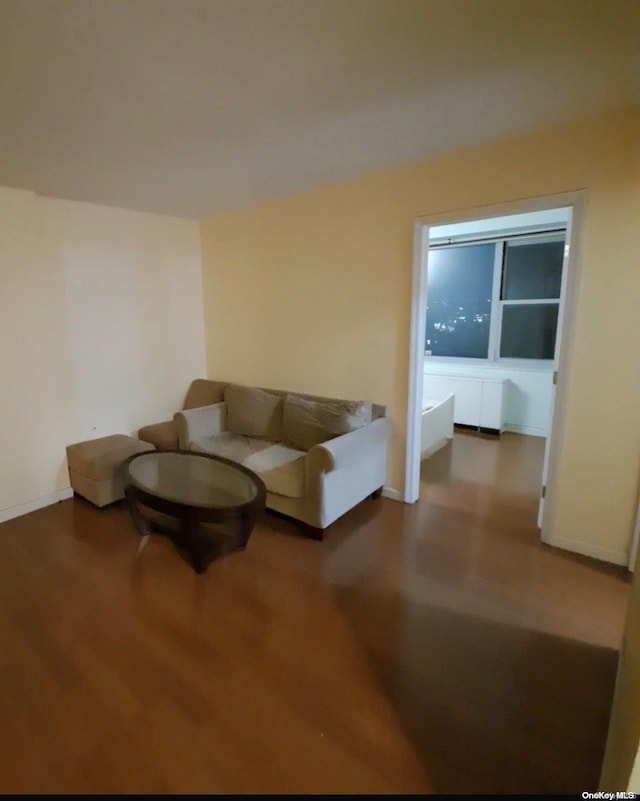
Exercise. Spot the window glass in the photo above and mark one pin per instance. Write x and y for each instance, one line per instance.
(529, 331)
(459, 288)
(532, 271)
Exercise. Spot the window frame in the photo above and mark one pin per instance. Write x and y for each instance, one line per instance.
(493, 359)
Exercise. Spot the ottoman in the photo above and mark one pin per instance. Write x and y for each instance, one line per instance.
(93, 466)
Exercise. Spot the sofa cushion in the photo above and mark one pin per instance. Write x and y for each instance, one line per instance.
(230, 446)
(281, 468)
(203, 392)
(307, 423)
(253, 412)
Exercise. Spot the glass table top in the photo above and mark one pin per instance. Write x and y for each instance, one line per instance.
(193, 479)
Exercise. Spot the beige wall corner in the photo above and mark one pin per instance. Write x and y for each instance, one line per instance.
(634, 781)
(101, 331)
(621, 765)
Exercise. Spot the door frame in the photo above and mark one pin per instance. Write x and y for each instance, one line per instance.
(577, 200)
(566, 271)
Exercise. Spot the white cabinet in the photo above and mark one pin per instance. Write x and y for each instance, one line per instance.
(467, 400)
(492, 405)
(478, 402)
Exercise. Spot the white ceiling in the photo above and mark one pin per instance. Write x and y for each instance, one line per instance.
(189, 107)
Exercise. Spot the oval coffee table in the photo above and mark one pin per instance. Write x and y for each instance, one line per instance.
(211, 503)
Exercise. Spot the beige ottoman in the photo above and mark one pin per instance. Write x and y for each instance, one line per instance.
(93, 466)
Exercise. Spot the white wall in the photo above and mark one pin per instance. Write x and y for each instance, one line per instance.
(528, 393)
(101, 331)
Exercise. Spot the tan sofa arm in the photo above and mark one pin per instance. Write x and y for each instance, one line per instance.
(203, 421)
(162, 435)
(348, 448)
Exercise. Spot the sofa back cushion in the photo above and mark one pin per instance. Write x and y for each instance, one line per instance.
(307, 423)
(254, 412)
(203, 392)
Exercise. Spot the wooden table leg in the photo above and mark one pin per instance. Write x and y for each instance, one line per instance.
(245, 527)
(194, 542)
(141, 524)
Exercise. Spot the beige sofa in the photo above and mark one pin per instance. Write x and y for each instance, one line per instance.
(201, 392)
(318, 456)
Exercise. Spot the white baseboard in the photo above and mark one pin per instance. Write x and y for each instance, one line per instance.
(39, 503)
(532, 431)
(586, 549)
(389, 492)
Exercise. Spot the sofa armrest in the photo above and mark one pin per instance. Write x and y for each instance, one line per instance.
(348, 448)
(162, 435)
(203, 421)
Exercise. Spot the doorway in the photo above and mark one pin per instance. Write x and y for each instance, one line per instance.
(504, 316)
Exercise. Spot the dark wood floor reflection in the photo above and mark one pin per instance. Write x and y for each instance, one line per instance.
(499, 653)
(434, 647)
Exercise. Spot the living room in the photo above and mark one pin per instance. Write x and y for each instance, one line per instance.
(122, 285)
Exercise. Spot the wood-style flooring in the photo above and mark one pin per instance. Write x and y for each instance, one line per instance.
(438, 647)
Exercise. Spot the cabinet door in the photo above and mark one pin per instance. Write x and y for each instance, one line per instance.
(467, 396)
(466, 405)
(436, 387)
(492, 405)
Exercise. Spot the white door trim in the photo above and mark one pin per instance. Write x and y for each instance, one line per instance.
(577, 200)
(566, 275)
(633, 551)
(416, 360)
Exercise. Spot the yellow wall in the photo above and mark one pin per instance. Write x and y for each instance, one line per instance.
(312, 293)
(101, 331)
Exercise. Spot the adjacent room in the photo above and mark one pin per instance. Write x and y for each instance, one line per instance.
(320, 462)
(495, 295)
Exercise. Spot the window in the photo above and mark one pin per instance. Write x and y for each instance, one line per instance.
(495, 300)
(459, 289)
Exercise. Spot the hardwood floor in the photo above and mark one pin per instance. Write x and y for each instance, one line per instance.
(438, 647)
